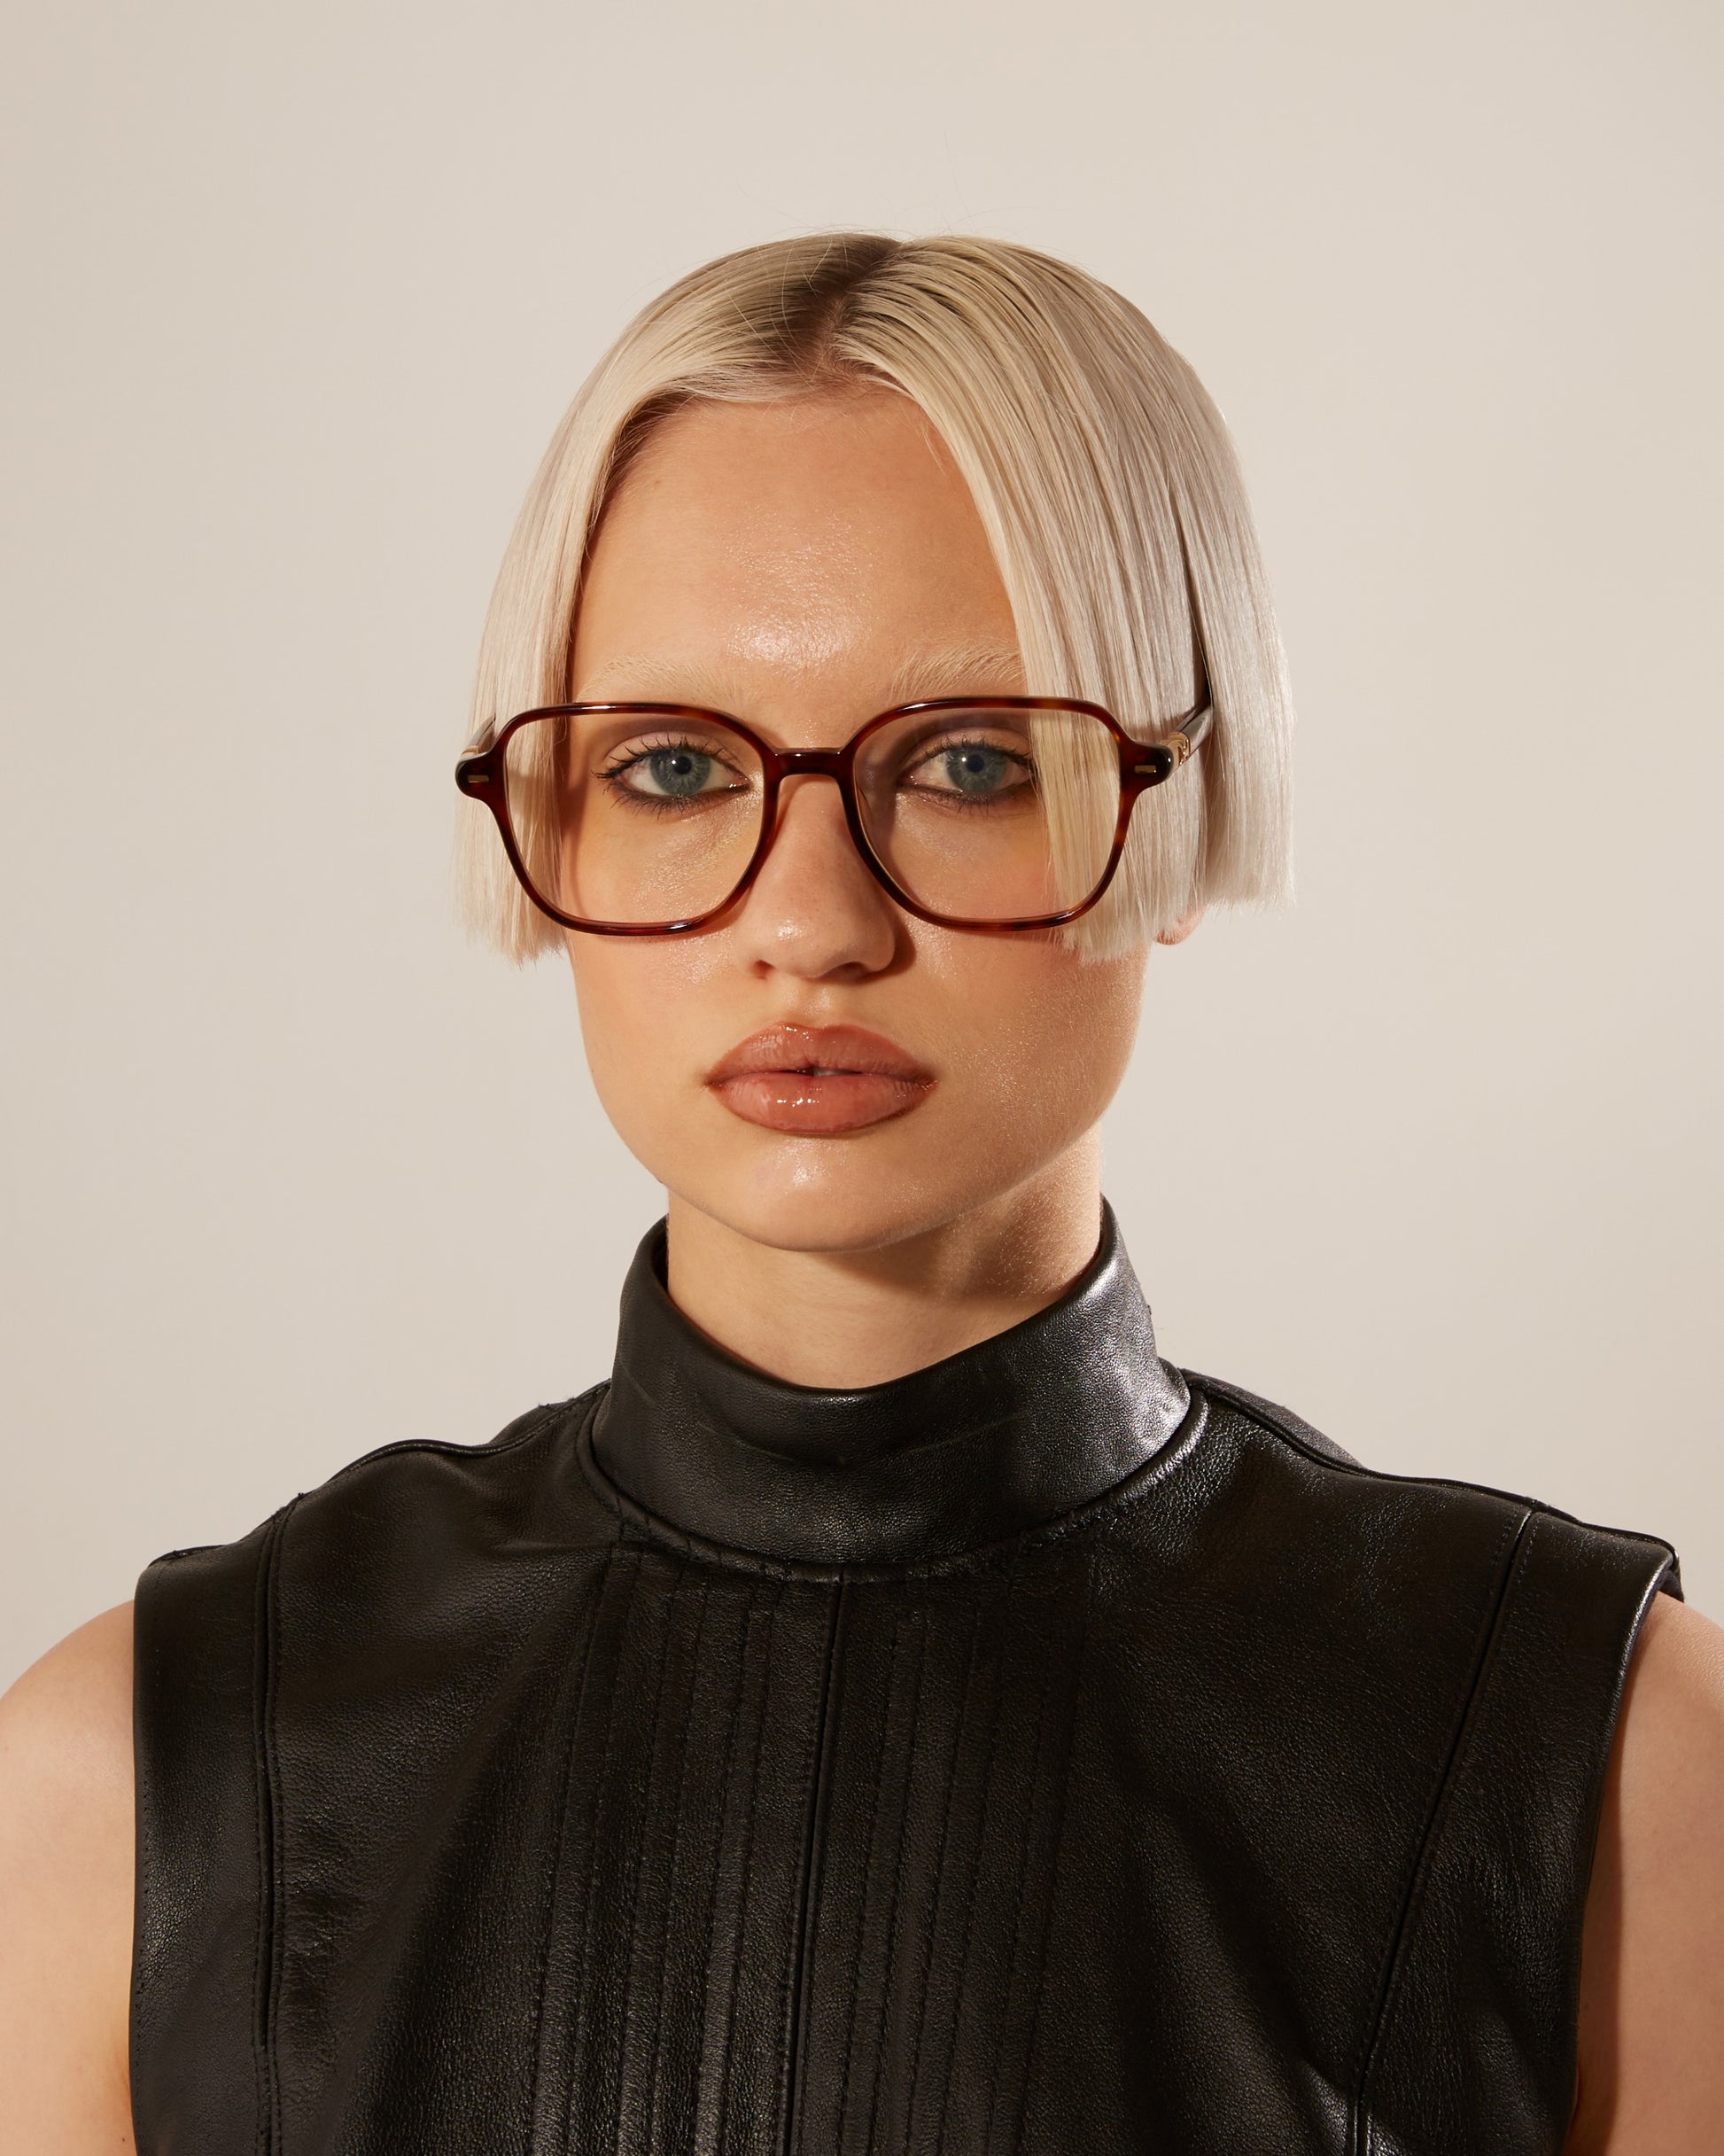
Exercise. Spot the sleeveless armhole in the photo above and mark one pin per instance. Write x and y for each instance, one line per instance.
(203, 1945)
(208, 1913)
(1479, 2016)
(1473, 2040)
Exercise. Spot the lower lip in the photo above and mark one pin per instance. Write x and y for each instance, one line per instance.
(821, 1104)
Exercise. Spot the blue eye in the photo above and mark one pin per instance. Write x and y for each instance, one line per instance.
(972, 767)
(662, 775)
(970, 770)
(679, 773)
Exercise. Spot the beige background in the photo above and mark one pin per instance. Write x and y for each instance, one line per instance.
(295, 297)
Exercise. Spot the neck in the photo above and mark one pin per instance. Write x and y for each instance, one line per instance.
(840, 1319)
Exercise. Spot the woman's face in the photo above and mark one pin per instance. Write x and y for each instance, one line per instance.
(817, 1070)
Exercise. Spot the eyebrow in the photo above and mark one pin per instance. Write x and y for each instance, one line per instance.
(947, 670)
(647, 677)
(955, 671)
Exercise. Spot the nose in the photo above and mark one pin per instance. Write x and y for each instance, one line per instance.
(815, 910)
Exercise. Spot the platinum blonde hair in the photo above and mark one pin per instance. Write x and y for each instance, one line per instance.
(1104, 476)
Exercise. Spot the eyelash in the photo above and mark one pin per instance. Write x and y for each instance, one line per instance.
(613, 772)
(931, 750)
(639, 751)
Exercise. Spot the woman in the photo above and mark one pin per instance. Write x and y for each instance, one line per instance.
(899, 1711)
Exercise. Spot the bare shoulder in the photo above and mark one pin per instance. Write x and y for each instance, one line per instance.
(76, 1687)
(66, 1740)
(1652, 1968)
(1667, 1765)
(1681, 1648)
(65, 1883)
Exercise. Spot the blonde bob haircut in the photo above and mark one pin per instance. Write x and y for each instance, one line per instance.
(1104, 476)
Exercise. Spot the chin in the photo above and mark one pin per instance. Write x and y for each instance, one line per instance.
(832, 1195)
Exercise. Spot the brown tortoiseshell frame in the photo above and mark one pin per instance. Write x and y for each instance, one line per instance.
(479, 774)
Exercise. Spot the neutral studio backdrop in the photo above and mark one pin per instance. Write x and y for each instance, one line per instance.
(295, 297)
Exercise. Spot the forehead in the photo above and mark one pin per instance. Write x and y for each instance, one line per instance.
(756, 555)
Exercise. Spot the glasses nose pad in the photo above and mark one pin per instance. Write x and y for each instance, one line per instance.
(791, 789)
(825, 824)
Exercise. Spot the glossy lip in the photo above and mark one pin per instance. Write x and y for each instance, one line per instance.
(819, 1081)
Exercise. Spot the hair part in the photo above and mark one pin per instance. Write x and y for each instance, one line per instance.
(1105, 478)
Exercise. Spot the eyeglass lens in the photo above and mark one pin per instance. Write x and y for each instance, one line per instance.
(980, 813)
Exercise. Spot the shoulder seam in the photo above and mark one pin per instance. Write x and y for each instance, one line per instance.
(268, 1525)
(1261, 1414)
(1513, 1561)
(536, 1422)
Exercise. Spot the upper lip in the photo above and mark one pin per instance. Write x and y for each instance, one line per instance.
(810, 1048)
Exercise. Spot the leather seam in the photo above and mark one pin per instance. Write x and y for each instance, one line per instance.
(925, 1968)
(1056, 1849)
(966, 1433)
(1650, 1589)
(590, 1900)
(1517, 1543)
(853, 1993)
(554, 1869)
(443, 1448)
(260, 1906)
(679, 1821)
(279, 1974)
(1135, 1487)
(268, 1946)
(722, 2096)
(710, 1917)
(896, 1908)
(1050, 1664)
(996, 1718)
(1258, 1413)
(808, 1884)
(630, 2017)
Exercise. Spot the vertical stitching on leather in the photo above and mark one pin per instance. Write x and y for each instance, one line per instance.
(646, 1812)
(589, 1900)
(272, 1945)
(679, 1820)
(926, 1955)
(895, 1906)
(799, 1976)
(734, 1725)
(263, 1910)
(560, 1838)
(279, 1952)
(1050, 1661)
(747, 1864)
(1086, 1579)
(1518, 1542)
(260, 1826)
(853, 1994)
(1001, 1687)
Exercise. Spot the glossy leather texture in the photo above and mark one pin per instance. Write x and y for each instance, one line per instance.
(1047, 1754)
(950, 1460)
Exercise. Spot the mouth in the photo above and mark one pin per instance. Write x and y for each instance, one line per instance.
(819, 1081)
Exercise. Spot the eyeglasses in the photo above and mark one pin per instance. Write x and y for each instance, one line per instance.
(995, 814)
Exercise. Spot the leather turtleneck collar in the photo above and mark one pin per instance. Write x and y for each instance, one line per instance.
(998, 1439)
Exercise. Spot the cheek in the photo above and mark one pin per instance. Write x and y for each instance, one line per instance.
(1033, 1034)
(635, 1011)
(1029, 1041)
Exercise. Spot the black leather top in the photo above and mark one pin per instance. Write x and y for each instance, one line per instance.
(948, 1459)
(1047, 1753)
